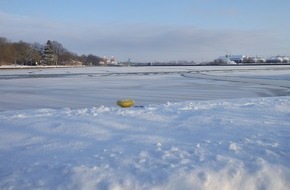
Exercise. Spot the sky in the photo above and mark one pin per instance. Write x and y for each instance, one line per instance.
(152, 30)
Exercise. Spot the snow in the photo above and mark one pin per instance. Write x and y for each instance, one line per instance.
(96, 86)
(226, 142)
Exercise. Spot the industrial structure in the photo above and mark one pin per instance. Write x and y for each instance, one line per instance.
(241, 59)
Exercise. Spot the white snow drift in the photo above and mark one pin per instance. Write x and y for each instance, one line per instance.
(214, 144)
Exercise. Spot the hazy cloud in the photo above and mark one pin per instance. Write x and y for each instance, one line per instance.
(143, 41)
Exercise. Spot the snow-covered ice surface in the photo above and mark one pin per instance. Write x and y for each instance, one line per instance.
(97, 86)
(236, 137)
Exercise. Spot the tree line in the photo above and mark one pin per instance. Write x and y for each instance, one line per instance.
(51, 53)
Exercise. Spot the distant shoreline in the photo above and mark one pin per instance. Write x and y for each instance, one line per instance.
(4, 67)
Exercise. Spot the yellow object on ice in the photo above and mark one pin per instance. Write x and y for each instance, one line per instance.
(125, 103)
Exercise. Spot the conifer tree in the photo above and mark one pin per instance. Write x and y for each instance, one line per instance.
(48, 56)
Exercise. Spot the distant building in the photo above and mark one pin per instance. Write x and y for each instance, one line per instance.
(106, 61)
(224, 60)
(237, 58)
(231, 59)
(261, 60)
(254, 60)
(278, 59)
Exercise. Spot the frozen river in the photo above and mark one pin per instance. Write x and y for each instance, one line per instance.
(230, 140)
(96, 86)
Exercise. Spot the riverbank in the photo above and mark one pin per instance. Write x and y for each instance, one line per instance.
(36, 67)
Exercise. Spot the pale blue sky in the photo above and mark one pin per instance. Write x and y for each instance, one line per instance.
(152, 30)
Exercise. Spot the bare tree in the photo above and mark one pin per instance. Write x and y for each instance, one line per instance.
(49, 54)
